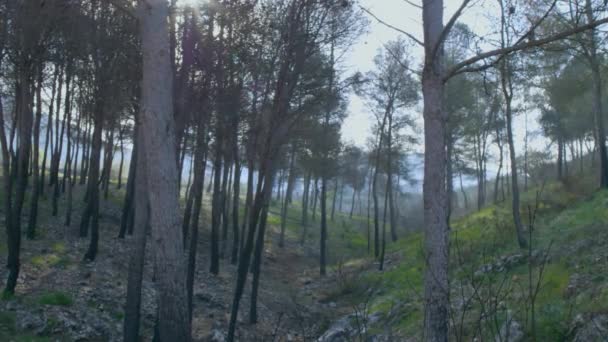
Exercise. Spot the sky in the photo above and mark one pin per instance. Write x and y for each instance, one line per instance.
(357, 126)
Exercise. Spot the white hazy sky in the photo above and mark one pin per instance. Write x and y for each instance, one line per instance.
(357, 127)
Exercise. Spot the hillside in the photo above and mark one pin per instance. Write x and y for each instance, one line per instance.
(62, 298)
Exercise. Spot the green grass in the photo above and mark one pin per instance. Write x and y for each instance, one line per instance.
(564, 219)
(56, 298)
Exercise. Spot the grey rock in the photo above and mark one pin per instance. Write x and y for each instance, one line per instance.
(30, 322)
(511, 331)
(216, 335)
(593, 329)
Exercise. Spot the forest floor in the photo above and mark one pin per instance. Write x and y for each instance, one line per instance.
(59, 297)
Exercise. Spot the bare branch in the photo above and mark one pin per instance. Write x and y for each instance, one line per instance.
(413, 4)
(448, 26)
(522, 45)
(409, 35)
(400, 62)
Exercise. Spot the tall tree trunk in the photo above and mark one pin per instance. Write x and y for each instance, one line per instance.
(375, 187)
(257, 266)
(236, 191)
(305, 201)
(200, 163)
(262, 197)
(314, 199)
(594, 62)
(158, 130)
(60, 136)
(507, 89)
(31, 231)
(224, 207)
(248, 202)
(20, 171)
(500, 162)
(90, 215)
(323, 235)
(85, 154)
(127, 218)
(122, 158)
(289, 190)
(216, 206)
(333, 201)
(384, 210)
(141, 223)
(49, 131)
(436, 285)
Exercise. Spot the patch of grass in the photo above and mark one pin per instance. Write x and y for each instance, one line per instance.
(51, 259)
(7, 323)
(55, 298)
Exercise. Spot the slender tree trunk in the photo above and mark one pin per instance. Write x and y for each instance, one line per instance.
(375, 187)
(141, 223)
(305, 201)
(200, 163)
(257, 266)
(224, 207)
(236, 191)
(85, 154)
(127, 217)
(90, 215)
(507, 88)
(314, 199)
(31, 231)
(20, 171)
(333, 202)
(59, 142)
(289, 190)
(248, 200)
(262, 197)
(122, 158)
(385, 210)
(216, 209)
(49, 131)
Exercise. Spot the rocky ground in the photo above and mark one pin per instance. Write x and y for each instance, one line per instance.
(60, 297)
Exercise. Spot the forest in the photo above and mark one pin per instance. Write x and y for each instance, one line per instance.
(304, 170)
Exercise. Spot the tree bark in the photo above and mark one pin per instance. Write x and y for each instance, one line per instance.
(158, 130)
(141, 224)
(436, 234)
(31, 231)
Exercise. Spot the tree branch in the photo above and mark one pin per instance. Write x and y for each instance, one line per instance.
(413, 4)
(409, 35)
(448, 27)
(522, 46)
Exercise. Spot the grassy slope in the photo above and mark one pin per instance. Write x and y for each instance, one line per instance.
(573, 224)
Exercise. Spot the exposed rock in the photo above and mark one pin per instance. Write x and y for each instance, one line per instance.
(216, 335)
(593, 329)
(30, 321)
(511, 331)
(349, 327)
(502, 264)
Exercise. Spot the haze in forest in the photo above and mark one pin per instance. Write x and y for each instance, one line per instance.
(303, 170)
